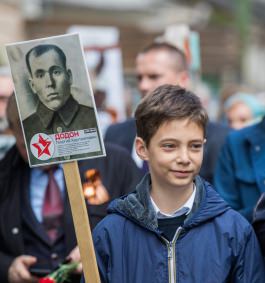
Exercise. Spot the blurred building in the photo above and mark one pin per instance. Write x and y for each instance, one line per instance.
(231, 32)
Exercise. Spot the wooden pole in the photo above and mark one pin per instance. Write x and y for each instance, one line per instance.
(81, 222)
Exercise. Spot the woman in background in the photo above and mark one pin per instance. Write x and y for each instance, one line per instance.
(243, 109)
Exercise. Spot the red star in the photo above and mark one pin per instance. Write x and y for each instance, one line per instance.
(42, 146)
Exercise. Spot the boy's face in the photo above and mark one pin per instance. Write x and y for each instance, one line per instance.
(174, 154)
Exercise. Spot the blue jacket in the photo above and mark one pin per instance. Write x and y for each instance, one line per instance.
(215, 244)
(240, 171)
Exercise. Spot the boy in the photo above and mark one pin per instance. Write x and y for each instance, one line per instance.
(174, 227)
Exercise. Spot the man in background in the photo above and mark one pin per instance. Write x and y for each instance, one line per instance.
(158, 64)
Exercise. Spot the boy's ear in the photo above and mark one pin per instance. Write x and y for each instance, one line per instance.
(141, 148)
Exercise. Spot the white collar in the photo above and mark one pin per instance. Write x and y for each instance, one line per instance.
(184, 209)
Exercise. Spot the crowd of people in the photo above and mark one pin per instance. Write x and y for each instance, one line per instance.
(182, 193)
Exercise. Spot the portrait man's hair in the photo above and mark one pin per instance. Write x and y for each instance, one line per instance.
(49, 78)
(41, 49)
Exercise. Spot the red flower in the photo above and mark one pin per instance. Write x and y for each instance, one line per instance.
(47, 280)
(61, 274)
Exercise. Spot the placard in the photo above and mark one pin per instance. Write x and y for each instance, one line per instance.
(55, 100)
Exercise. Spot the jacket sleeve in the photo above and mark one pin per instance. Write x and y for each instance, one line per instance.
(249, 266)
(102, 252)
(225, 180)
(102, 255)
(5, 262)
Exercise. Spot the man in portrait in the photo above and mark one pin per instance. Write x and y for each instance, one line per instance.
(57, 110)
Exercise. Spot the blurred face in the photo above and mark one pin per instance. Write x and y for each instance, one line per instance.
(174, 154)
(156, 68)
(50, 80)
(238, 115)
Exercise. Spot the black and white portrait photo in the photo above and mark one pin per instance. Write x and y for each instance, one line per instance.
(55, 100)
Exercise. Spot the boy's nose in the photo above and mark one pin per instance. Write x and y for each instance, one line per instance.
(183, 156)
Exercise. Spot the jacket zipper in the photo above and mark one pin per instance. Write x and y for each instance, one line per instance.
(171, 255)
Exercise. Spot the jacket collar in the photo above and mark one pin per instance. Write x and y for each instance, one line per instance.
(255, 134)
(138, 208)
(66, 113)
(11, 161)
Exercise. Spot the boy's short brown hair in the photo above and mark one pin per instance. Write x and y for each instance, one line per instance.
(167, 103)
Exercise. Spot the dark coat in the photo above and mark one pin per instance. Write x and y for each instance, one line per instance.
(14, 173)
(124, 134)
(240, 174)
(214, 245)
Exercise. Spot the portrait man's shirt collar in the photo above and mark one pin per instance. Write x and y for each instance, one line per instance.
(66, 113)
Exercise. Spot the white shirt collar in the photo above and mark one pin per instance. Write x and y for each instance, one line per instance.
(184, 209)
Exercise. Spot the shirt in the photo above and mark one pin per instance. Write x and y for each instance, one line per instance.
(184, 209)
(38, 184)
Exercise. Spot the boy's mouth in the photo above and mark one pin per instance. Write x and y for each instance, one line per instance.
(181, 173)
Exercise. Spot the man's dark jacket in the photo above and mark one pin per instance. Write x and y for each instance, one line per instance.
(14, 174)
(124, 134)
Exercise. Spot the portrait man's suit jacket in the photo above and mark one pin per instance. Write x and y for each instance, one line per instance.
(72, 116)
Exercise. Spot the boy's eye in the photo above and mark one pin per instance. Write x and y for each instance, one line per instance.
(168, 146)
(196, 146)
